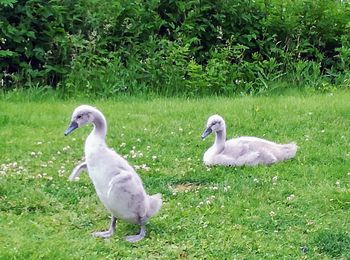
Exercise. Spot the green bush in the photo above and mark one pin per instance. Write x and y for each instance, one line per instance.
(195, 47)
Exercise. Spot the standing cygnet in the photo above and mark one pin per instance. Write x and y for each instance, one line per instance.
(118, 186)
(245, 150)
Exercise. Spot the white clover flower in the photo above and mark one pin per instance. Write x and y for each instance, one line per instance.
(39, 143)
(33, 154)
(138, 140)
(122, 145)
(154, 157)
(66, 148)
(291, 197)
(145, 167)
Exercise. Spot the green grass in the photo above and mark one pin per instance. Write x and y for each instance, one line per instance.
(220, 213)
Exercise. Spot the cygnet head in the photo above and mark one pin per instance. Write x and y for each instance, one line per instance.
(81, 116)
(215, 123)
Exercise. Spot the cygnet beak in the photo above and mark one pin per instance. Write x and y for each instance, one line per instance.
(73, 125)
(206, 132)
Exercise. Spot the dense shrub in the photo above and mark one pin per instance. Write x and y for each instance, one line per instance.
(96, 47)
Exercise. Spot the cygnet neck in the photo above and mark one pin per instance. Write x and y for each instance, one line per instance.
(100, 125)
(220, 139)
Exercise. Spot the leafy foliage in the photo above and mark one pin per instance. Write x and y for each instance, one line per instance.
(193, 47)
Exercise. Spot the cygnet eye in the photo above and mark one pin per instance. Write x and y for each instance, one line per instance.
(79, 116)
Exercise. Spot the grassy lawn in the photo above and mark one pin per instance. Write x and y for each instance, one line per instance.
(294, 209)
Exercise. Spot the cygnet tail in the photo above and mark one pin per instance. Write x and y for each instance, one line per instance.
(155, 203)
(289, 150)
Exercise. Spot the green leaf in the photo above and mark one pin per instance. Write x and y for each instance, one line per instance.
(7, 53)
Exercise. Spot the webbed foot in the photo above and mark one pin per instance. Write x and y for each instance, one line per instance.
(136, 238)
(108, 233)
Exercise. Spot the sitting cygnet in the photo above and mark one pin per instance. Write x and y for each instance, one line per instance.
(245, 150)
(117, 185)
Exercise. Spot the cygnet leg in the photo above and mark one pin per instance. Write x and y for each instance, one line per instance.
(77, 170)
(109, 232)
(141, 235)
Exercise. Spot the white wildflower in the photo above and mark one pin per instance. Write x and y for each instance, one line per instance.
(291, 197)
